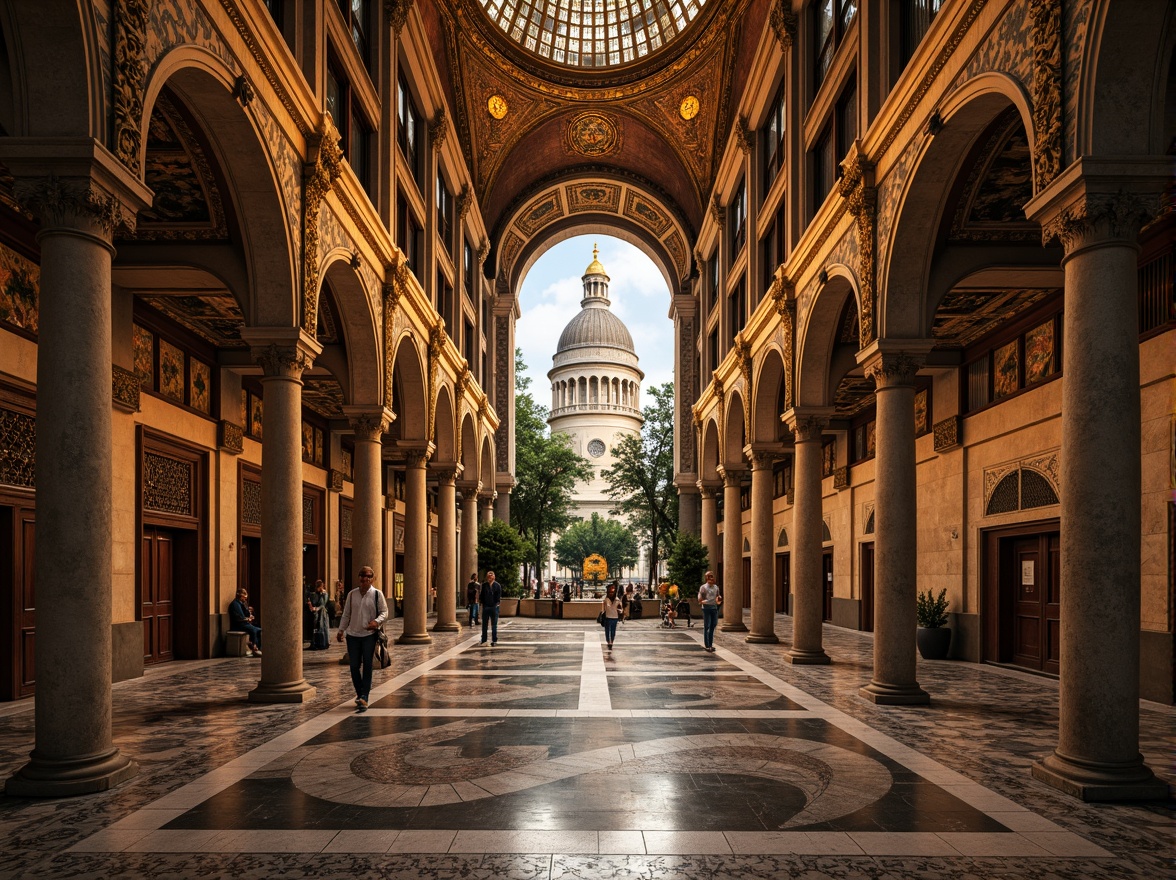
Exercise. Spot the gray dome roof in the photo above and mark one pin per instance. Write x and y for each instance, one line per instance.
(595, 327)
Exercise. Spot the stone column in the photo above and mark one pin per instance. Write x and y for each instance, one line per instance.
(763, 568)
(469, 530)
(807, 588)
(732, 551)
(367, 521)
(283, 358)
(416, 551)
(1097, 220)
(447, 577)
(73, 752)
(895, 525)
(709, 518)
(486, 507)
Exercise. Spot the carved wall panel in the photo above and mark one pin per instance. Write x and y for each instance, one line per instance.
(250, 503)
(168, 484)
(18, 437)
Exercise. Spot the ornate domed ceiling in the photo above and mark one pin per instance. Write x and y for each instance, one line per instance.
(592, 33)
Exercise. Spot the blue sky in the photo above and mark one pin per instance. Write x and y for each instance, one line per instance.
(551, 297)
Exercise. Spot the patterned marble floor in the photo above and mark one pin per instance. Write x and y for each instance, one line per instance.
(550, 757)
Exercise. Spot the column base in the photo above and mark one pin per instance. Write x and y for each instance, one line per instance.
(762, 639)
(447, 628)
(414, 639)
(67, 777)
(895, 694)
(798, 657)
(739, 627)
(1096, 781)
(300, 691)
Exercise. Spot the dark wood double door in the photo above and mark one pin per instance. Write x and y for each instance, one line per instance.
(1023, 593)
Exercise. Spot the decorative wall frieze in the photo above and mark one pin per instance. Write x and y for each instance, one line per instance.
(841, 478)
(861, 199)
(288, 361)
(230, 437)
(396, 11)
(783, 22)
(130, 81)
(318, 176)
(126, 389)
(335, 480)
(948, 433)
(1048, 125)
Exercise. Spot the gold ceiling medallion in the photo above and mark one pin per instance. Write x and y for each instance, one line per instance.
(594, 134)
(688, 109)
(497, 106)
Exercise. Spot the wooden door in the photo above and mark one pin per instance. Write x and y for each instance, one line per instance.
(827, 581)
(783, 582)
(157, 589)
(868, 587)
(18, 593)
(1030, 589)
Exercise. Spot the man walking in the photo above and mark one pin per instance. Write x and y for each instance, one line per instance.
(490, 596)
(709, 597)
(472, 589)
(364, 612)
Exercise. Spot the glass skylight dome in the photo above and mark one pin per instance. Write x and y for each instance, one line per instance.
(592, 33)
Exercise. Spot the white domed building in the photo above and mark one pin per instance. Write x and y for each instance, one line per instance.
(595, 387)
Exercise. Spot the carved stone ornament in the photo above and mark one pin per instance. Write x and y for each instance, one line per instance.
(446, 476)
(318, 176)
(948, 433)
(763, 459)
(18, 449)
(288, 361)
(841, 478)
(73, 203)
(416, 458)
(130, 80)
(336, 480)
(369, 426)
(230, 437)
(437, 339)
(783, 22)
(483, 252)
(1046, 19)
(809, 428)
(861, 196)
(126, 389)
(1101, 217)
(465, 199)
(893, 369)
(744, 135)
(396, 11)
(243, 91)
(439, 129)
(717, 211)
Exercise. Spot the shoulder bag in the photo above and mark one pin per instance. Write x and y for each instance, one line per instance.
(381, 658)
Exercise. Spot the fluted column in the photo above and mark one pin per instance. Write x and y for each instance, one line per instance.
(416, 550)
(282, 360)
(709, 517)
(732, 551)
(1097, 220)
(763, 569)
(367, 519)
(807, 588)
(469, 530)
(73, 751)
(447, 551)
(895, 526)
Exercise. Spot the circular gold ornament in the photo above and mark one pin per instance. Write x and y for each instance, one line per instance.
(688, 108)
(496, 106)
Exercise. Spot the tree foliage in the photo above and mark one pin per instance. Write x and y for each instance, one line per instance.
(641, 480)
(688, 564)
(502, 551)
(546, 473)
(609, 538)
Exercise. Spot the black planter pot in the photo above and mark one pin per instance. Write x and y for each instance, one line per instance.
(933, 642)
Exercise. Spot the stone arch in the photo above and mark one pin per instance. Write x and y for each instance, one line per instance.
(769, 385)
(486, 471)
(1121, 89)
(735, 430)
(444, 427)
(55, 70)
(782, 538)
(409, 402)
(267, 224)
(816, 344)
(359, 327)
(709, 451)
(469, 448)
(903, 278)
(826, 535)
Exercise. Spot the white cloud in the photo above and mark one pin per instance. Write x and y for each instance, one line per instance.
(551, 296)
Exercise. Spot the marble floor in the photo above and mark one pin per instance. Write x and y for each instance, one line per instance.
(550, 757)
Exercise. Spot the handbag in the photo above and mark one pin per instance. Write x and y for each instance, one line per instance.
(600, 618)
(380, 657)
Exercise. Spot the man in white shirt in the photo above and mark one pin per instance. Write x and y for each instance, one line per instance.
(710, 598)
(364, 612)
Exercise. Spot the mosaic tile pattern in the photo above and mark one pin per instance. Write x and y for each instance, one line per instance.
(746, 767)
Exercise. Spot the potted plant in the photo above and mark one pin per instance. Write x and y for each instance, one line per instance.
(933, 636)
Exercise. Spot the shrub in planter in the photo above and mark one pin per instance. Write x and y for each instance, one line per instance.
(933, 636)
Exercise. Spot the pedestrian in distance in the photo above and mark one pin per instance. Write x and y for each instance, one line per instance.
(613, 609)
(490, 597)
(472, 589)
(710, 598)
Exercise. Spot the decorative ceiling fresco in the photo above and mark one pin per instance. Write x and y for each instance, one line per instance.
(323, 395)
(994, 194)
(966, 314)
(853, 394)
(214, 317)
(658, 120)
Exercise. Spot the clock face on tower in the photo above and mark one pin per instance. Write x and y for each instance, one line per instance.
(596, 448)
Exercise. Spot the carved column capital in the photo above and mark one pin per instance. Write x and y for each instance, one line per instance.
(469, 490)
(286, 361)
(1101, 217)
(416, 458)
(369, 425)
(446, 474)
(807, 426)
(732, 475)
(762, 458)
(893, 369)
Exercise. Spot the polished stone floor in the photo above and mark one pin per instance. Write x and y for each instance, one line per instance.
(550, 757)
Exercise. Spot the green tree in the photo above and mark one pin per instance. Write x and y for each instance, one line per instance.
(547, 470)
(688, 564)
(502, 551)
(609, 538)
(641, 480)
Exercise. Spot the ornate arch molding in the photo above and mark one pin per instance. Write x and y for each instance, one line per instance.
(1021, 485)
(605, 199)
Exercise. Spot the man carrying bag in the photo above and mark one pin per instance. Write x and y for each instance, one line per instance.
(364, 614)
